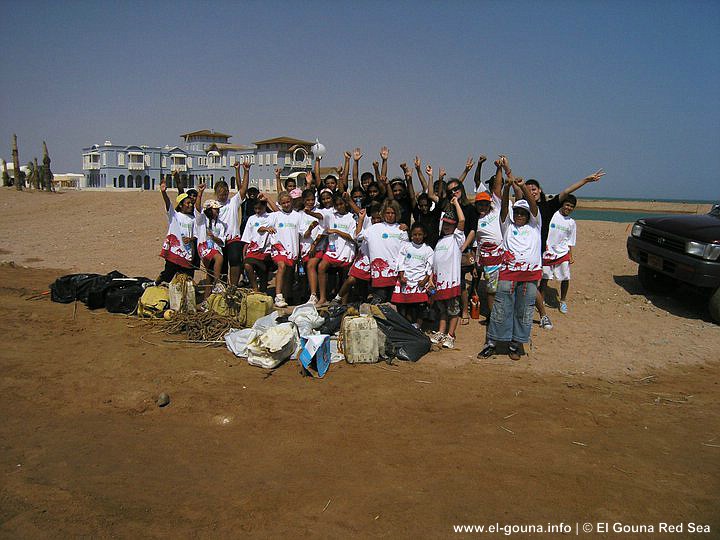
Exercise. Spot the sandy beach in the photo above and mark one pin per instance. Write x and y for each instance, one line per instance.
(612, 416)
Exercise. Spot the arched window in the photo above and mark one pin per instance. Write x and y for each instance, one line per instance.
(130, 181)
(121, 181)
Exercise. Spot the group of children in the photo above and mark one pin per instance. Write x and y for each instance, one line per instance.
(380, 241)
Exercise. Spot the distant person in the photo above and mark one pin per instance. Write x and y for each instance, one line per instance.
(558, 255)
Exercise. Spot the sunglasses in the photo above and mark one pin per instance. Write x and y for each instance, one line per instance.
(456, 188)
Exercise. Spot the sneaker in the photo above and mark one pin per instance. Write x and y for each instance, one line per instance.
(545, 323)
(488, 351)
(437, 337)
(280, 301)
(563, 308)
(312, 299)
(449, 342)
(514, 352)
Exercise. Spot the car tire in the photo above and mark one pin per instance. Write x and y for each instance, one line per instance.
(714, 306)
(654, 281)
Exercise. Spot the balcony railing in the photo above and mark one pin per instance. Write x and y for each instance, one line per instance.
(91, 165)
(178, 167)
(136, 165)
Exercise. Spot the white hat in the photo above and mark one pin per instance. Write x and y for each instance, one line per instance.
(522, 203)
(211, 203)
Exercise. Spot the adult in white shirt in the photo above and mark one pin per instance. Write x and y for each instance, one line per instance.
(229, 215)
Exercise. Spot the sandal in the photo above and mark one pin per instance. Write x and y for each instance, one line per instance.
(514, 352)
(464, 320)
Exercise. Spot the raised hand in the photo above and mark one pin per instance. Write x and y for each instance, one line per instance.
(237, 166)
(308, 179)
(357, 154)
(277, 172)
(417, 162)
(469, 163)
(340, 169)
(442, 173)
(597, 175)
(482, 159)
(201, 187)
(519, 181)
(498, 163)
(404, 167)
(346, 155)
(361, 215)
(163, 186)
(246, 165)
(261, 197)
(428, 170)
(384, 153)
(376, 164)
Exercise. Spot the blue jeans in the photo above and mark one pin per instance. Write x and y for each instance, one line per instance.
(512, 313)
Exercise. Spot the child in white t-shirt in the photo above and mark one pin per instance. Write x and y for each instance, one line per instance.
(257, 251)
(326, 209)
(340, 250)
(210, 233)
(558, 255)
(229, 215)
(384, 241)
(177, 248)
(447, 270)
(415, 270)
(359, 274)
(284, 244)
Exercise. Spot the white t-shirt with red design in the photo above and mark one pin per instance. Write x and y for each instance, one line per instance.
(206, 244)
(446, 265)
(362, 257)
(384, 241)
(285, 241)
(416, 262)
(173, 248)
(338, 248)
(257, 242)
(488, 237)
(561, 237)
(305, 221)
(229, 216)
(522, 259)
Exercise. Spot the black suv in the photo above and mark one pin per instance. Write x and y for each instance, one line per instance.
(679, 248)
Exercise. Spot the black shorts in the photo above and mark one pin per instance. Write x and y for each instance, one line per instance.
(233, 253)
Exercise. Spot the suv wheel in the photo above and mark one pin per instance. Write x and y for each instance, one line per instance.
(714, 306)
(653, 281)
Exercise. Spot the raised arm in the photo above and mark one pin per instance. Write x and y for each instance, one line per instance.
(343, 180)
(178, 183)
(468, 167)
(431, 188)
(497, 185)
(505, 201)
(278, 183)
(198, 200)
(594, 177)
(421, 177)
(316, 168)
(384, 153)
(478, 171)
(460, 213)
(360, 221)
(349, 201)
(163, 192)
(357, 154)
(510, 178)
(409, 183)
(271, 204)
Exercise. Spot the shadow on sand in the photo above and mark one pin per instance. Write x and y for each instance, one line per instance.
(683, 300)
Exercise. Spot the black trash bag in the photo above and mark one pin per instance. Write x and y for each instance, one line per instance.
(333, 319)
(408, 342)
(65, 289)
(94, 297)
(122, 295)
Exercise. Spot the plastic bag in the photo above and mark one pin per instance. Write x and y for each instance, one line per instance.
(122, 295)
(237, 341)
(307, 319)
(408, 342)
(333, 319)
(65, 289)
(271, 348)
(93, 294)
(263, 324)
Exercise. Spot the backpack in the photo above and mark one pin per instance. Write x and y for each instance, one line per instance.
(153, 302)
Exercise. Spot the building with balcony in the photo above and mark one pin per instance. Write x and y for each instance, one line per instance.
(202, 156)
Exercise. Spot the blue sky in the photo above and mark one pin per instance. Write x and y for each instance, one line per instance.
(563, 88)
